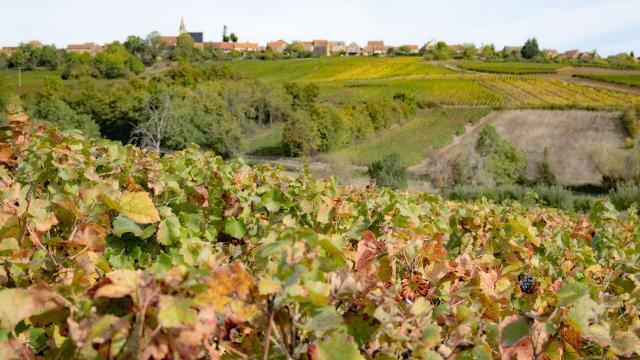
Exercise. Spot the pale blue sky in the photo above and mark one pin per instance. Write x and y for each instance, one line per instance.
(610, 26)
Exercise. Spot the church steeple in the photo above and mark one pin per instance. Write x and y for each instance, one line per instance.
(183, 29)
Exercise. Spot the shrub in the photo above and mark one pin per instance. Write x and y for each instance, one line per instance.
(507, 163)
(555, 196)
(625, 196)
(502, 159)
(545, 174)
(299, 136)
(389, 172)
(630, 122)
(487, 141)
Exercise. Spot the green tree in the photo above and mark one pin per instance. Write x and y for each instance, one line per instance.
(225, 37)
(502, 159)
(470, 51)
(389, 172)
(233, 37)
(299, 136)
(184, 48)
(530, 49)
(440, 51)
(488, 51)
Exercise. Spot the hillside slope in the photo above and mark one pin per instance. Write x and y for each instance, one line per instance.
(571, 138)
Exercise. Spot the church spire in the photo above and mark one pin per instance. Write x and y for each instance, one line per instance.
(183, 29)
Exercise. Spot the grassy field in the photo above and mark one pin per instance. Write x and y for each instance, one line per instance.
(336, 69)
(511, 67)
(267, 141)
(429, 129)
(629, 80)
(442, 92)
(31, 80)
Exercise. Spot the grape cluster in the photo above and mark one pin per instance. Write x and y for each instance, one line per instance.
(527, 283)
(406, 355)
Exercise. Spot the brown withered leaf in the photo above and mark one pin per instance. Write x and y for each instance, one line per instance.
(117, 284)
(91, 236)
(368, 248)
(230, 293)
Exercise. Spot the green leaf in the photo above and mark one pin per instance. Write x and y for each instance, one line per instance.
(175, 312)
(325, 318)
(338, 346)
(168, 230)
(234, 228)
(123, 225)
(515, 331)
(572, 292)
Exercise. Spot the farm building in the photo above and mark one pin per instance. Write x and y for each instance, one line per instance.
(88, 47)
(277, 46)
(353, 49)
(375, 47)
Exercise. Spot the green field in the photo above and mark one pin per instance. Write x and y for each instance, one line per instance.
(622, 79)
(343, 68)
(511, 67)
(31, 80)
(427, 130)
(267, 141)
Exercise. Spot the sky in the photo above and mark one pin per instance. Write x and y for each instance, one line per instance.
(609, 26)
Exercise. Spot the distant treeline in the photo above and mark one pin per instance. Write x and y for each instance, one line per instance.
(215, 107)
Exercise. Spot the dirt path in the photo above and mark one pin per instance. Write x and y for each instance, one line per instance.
(450, 151)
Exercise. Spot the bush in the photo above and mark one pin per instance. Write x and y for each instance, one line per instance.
(630, 122)
(502, 159)
(555, 196)
(625, 196)
(299, 136)
(545, 174)
(389, 172)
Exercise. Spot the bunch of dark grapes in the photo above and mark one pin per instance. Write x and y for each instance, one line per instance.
(406, 355)
(527, 283)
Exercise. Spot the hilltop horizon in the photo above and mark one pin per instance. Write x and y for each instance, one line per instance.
(608, 27)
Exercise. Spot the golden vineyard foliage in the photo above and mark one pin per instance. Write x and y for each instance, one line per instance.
(112, 252)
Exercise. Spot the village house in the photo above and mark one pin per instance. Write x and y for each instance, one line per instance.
(550, 52)
(512, 49)
(226, 47)
(339, 46)
(277, 46)
(9, 50)
(322, 47)
(88, 47)
(571, 54)
(353, 49)
(428, 45)
(413, 49)
(35, 43)
(457, 48)
(307, 45)
(246, 46)
(375, 47)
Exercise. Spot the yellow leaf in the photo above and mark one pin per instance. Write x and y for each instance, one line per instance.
(121, 283)
(137, 206)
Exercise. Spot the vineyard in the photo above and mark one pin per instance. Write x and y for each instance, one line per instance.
(443, 91)
(114, 252)
(532, 92)
(511, 67)
(629, 80)
(338, 69)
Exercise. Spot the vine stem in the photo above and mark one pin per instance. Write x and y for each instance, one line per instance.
(267, 338)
